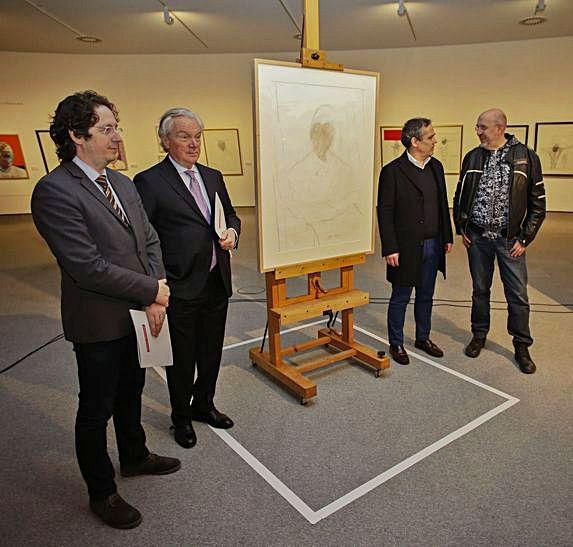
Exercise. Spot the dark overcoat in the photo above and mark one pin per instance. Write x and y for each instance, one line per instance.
(401, 219)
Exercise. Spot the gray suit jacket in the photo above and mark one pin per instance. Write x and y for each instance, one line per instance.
(107, 268)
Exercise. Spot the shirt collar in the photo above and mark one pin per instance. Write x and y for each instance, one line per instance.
(89, 171)
(417, 163)
(181, 169)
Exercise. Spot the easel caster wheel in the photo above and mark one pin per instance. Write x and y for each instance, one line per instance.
(303, 401)
(377, 374)
(253, 364)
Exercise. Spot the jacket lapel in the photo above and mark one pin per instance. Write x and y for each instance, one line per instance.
(172, 178)
(404, 165)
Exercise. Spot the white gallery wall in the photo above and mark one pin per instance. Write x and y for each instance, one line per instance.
(531, 80)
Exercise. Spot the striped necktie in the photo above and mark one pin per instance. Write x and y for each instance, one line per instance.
(102, 181)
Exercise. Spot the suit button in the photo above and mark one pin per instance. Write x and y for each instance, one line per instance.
(421, 221)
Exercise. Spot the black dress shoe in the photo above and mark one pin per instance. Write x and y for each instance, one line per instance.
(152, 465)
(399, 355)
(429, 347)
(214, 418)
(116, 512)
(524, 360)
(184, 435)
(474, 348)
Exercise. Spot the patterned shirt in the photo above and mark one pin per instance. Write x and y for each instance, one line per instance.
(491, 205)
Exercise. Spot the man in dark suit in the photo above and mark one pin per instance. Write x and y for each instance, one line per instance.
(416, 234)
(179, 196)
(110, 261)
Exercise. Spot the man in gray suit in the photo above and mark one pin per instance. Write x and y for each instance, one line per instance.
(110, 261)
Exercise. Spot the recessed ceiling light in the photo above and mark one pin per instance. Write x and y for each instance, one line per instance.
(88, 39)
(533, 20)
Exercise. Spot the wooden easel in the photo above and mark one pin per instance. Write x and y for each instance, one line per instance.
(283, 310)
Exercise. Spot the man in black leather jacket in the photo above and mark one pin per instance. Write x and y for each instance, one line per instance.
(499, 206)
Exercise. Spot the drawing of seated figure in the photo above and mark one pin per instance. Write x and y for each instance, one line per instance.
(7, 168)
(317, 196)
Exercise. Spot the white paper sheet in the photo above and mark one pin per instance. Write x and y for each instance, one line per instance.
(220, 223)
(153, 351)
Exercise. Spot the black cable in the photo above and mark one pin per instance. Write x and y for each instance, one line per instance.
(55, 339)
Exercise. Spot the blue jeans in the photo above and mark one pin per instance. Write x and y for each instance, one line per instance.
(422, 302)
(513, 272)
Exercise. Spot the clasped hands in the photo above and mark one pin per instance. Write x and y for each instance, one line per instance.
(228, 239)
(156, 312)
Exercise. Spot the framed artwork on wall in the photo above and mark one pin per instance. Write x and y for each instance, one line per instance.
(519, 131)
(12, 163)
(390, 145)
(223, 150)
(47, 149)
(448, 147)
(554, 146)
(120, 164)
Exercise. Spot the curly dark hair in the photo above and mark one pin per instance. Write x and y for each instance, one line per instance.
(76, 112)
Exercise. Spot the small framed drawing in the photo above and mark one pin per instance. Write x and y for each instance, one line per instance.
(12, 164)
(120, 164)
(448, 147)
(390, 145)
(47, 149)
(223, 151)
(554, 146)
(521, 132)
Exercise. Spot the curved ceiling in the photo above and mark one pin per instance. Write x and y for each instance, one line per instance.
(237, 26)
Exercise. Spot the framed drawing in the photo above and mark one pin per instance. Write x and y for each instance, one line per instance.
(47, 149)
(519, 131)
(448, 147)
(554, 145)
(390, 145)
(120, 164)
(223, 151)
(12, 164)
(315, 136)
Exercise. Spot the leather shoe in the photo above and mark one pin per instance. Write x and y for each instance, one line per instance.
(116, 512)
(214, 418)
(475, 346)
(399, 355)
(184, 435)
(429, 347)
(152, 465)
(526, 364)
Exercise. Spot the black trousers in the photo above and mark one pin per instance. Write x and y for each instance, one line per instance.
(197, 329)
(111, 383)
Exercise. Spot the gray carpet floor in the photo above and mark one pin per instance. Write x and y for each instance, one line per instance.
(451, 451)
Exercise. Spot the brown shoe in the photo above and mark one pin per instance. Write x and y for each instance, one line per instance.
(399, 355)
(116, 512)
(474, 348)
(429, 347)
(152, 465)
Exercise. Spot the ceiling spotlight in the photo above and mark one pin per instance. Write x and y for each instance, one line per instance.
(88, 39)
(540, 6)
(533, 20)
(167, 17)
(401, 8)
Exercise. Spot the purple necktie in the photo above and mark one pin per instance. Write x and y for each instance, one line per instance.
(202, 204)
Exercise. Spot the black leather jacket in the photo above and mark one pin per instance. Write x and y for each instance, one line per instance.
(527, 192)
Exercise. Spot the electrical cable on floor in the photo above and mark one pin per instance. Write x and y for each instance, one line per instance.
(438, 302)
(55, 339)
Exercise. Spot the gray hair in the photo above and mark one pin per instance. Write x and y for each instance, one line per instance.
(414, 128)
(166, 120)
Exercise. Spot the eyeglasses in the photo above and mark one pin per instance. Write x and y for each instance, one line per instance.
(109, 130)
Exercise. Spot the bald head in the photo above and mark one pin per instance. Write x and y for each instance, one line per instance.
(490, 128)
(494, 116)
